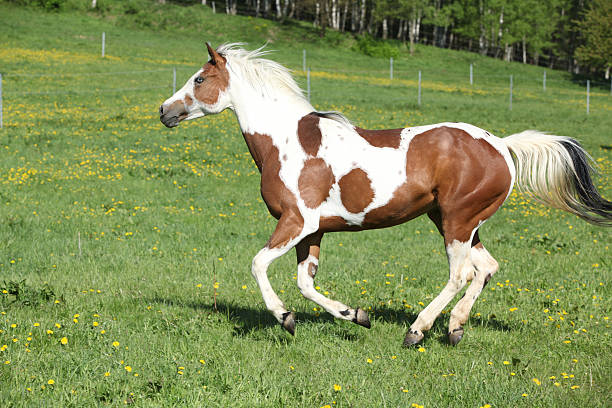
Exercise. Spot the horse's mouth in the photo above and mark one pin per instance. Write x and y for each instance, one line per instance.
(170, 121)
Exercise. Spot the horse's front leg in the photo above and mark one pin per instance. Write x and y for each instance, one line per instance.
(289, 231)
(307, 252)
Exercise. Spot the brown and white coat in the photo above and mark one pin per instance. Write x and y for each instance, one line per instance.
(320, 174)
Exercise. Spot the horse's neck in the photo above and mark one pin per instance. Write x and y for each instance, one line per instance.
(268, 122)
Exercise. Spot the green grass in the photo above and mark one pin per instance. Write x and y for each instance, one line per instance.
(106, 214)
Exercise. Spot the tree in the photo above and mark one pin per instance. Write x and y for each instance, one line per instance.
(596, 30)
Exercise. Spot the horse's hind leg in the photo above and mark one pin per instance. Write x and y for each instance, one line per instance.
(458, 246)
(485, 266)
(308, 262)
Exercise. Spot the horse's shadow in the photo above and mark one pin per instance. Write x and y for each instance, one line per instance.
(256, 322)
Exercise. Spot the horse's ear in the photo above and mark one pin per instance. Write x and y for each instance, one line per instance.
(214, 55)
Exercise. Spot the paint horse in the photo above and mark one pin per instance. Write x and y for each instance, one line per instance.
(320, 174)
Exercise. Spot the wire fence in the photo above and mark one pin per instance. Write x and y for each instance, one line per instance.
(15, 85)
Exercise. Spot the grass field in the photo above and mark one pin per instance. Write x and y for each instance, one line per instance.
(125, 247)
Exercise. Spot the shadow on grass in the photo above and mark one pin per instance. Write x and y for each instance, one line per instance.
(255, 322)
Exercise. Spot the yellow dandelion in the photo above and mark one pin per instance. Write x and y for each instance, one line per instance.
(51, 382)
(369, 361)
(337, 387)
(421, 349)
(536, 381)
(128, 368)
(116, 344)
(506, 362)
(64, 341)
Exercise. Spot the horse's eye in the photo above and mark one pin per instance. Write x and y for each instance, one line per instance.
(199, 80)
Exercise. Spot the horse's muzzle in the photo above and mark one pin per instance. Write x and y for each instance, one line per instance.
(172, 115)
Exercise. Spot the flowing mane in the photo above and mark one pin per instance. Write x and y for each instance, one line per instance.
(267, 76)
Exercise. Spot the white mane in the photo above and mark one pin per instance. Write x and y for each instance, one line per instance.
(267, 76)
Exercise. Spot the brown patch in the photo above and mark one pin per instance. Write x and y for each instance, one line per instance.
(381, 138)
(311, 245)
(188, 100)
(449, 171)
(312, 270)
(356, 190)
(316, 179)
(309, 134)
(278, 198)
(336, 223)
(216, 80)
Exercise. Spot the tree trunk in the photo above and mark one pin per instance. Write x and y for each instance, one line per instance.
(385, 29)
(607, 74)
(279, 10)
(93, 3)
(362, 16)
(524, 41)
(344, 15)
(317, 20)
(257, 6)
(203, 2)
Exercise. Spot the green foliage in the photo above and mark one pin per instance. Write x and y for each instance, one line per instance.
(596, 28)
(19, 292)
(368, 45)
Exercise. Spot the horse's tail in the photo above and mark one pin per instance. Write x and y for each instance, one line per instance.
(556, 171)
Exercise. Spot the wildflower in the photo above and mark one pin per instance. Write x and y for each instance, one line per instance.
(369, 361)
(106, 374)
(128, 368)
(536, 381)
(337, 387)
(421, 349)
(506, 362)
(573, 387)
(115, 344)
(64, 341)
(202, 361)
(51, 382)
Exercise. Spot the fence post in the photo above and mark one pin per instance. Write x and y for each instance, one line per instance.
(303, 60)
(471, 74)
(588, 94)
(544, 82)
(103, 43)
(173, 80)
(419, 95)
(390, 67)
(308, 83)
(511, 92)
(0, 101)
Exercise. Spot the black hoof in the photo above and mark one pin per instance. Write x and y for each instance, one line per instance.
(455, 336)
(361, 318)
(412, 338)
(289, 322)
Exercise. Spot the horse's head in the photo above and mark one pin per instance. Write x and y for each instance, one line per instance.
(203, 94)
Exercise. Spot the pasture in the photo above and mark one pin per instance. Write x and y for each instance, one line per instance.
(125, 247)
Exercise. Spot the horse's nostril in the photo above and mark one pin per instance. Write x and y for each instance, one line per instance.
(161, 110)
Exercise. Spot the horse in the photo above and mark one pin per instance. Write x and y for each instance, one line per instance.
(320, 174)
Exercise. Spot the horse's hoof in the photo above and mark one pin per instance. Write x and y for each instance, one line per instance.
(413, 337)
(455, 336)
(289, 322)
(361, 318)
